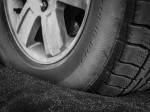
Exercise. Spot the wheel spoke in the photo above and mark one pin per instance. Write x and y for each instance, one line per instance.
(76, 3)
(27, 25)
(54, 32)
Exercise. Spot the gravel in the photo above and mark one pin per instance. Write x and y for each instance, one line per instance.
(22, 93)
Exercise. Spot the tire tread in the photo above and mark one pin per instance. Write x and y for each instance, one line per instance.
(129, 63)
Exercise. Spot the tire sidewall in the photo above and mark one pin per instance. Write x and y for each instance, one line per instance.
(55, 72)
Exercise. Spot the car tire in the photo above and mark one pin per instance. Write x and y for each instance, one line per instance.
(107, 52)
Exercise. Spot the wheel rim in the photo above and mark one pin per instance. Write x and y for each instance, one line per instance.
(46, 31)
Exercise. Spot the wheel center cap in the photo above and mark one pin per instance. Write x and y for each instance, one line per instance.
(44, 5)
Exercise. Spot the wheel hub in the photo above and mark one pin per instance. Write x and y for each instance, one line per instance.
(43, 29)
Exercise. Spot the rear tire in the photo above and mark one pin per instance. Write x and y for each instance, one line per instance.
(110, 57)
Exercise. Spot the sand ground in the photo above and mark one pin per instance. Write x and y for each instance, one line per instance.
(22, 93)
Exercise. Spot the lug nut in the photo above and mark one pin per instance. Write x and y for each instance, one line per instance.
(44, 5)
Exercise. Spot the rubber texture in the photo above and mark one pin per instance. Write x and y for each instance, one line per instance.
(128, 67)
